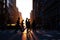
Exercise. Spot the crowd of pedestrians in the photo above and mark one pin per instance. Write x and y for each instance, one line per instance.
(27, 23)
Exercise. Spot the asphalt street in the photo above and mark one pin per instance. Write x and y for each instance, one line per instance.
(30, 35)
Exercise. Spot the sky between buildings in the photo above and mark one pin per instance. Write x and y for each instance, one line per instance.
(25, 7)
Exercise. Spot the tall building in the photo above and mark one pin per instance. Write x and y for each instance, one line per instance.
(1, 7)
(52, 13)
(47, 13)
(36, 9)
(3, 12)
(32, 17)
(13, 11)
(8, 12)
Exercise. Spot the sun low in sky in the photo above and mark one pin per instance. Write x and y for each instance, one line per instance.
(25, 7)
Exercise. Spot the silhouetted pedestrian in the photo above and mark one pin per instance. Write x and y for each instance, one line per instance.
(18, 24)
(22, 24)
(27, 24)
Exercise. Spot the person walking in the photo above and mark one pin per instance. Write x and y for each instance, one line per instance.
(18, 24)
(27, 24)
(22, 24)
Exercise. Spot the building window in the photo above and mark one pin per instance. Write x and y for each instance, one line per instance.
(4, 1)
(4, 6)
(8, 3)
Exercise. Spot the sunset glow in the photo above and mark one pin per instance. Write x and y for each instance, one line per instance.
(25, 7)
